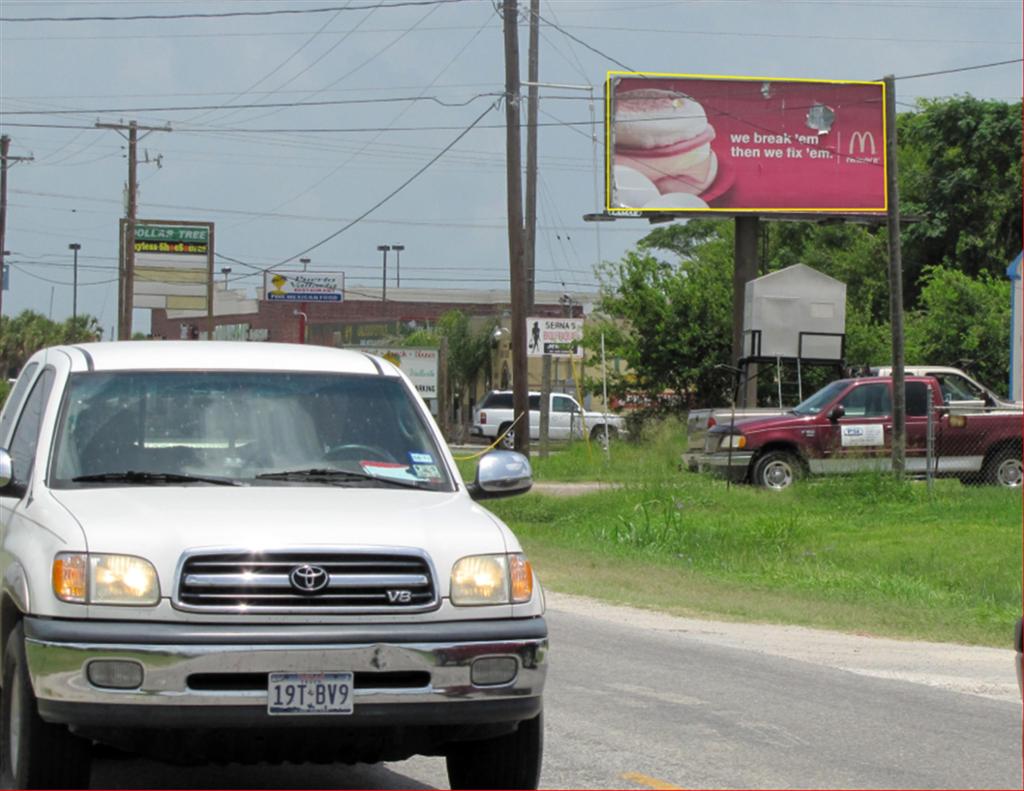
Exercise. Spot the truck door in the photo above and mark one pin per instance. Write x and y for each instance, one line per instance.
(918, 395)
(859, 439)
(563, 416)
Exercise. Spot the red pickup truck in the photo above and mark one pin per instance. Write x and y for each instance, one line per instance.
(847, 427)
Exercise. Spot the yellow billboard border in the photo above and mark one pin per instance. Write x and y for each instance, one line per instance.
(732, 211)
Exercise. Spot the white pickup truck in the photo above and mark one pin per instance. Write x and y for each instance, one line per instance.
(248, 552)
(566, 419)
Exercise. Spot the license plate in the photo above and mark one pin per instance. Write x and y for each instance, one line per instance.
(309, 693)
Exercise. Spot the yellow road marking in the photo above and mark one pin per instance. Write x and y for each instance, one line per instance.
(649, 782)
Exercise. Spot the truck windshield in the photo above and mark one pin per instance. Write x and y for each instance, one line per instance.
(242, 426)
(821, 399)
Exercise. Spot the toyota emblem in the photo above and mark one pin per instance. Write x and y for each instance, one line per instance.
(309, 579)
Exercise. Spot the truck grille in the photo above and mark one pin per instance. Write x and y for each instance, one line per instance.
(306, 581)
(711, 442)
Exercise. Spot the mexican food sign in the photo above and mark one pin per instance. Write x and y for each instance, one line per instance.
(303, 286)
(173, 264)
(743, 144)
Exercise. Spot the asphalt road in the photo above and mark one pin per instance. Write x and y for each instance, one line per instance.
(642, 701)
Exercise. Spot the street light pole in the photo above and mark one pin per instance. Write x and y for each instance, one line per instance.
(225, 270)
(384, 279)
(398, 248)
(75, 247)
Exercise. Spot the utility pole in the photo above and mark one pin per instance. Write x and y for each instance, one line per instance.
(398, 248)
(532, 108)
(517, 277)
(126, 290)
(899, 401)
(384, 272)
(5, 158)
(74, 247)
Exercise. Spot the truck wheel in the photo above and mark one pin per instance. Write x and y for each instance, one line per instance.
(777, 469)
(1004, 468)
(508, 441)
(597, 435)
(34, 753)
(509, 761)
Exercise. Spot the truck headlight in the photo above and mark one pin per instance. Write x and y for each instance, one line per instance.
(734, 441)
(85, 578)
(491, 579)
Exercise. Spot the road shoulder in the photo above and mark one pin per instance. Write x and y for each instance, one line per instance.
(971, 670)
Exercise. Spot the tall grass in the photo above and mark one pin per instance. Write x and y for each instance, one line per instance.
(891, 555)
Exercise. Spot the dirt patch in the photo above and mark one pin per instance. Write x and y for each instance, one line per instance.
(572, 489)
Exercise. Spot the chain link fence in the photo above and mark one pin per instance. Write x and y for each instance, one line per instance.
(977, 444)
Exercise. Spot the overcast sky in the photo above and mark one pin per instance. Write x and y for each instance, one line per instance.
(273, 188)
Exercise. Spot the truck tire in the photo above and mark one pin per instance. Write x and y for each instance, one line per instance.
(597, 435)
(508, 440)
(777, 470)
(510, 761)
(34, 753)
(1004, 468)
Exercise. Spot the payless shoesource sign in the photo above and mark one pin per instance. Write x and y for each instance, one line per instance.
(173, 264)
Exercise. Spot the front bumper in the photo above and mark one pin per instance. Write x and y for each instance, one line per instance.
(733, 466)
(216, 675)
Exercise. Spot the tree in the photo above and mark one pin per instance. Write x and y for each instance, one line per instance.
(962, 321)
(960, 171)
(679, 313)
(23, 335)
(469, 352)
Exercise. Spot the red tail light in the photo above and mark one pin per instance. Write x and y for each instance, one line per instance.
(712, 422)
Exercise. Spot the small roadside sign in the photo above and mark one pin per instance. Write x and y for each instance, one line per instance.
(557, 337)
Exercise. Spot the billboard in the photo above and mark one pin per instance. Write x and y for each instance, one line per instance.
(173, 264)
(420, 365)
(558, 337)
(303, 286)
(703, 143)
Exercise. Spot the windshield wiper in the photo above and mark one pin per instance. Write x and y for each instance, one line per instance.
(136, 476)
(332, 475)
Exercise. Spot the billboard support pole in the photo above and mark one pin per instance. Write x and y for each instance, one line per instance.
(899, 423)
(747, 231)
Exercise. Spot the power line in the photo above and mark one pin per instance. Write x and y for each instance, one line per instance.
(294, 54)
(228, 14)
(254, 106)
(24, 271)
(363, 147)
(394, 192)
(962, 68)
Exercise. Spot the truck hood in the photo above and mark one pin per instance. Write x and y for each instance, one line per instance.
(752, 425)
(160, 522)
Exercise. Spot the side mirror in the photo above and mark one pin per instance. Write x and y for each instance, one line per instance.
(501, 473)
(838, 411)
(6, 469)
(8, 486)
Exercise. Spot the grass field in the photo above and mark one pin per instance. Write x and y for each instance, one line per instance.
(859, 553)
